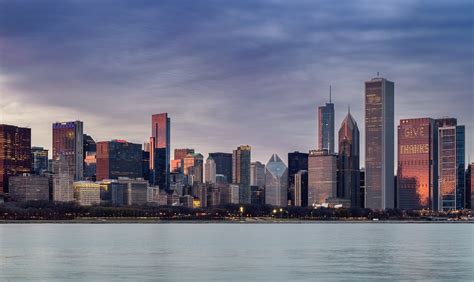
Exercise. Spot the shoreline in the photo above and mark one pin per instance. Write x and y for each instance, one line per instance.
(229, 221)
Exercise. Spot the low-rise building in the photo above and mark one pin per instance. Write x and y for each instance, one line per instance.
(86, 193)
(28, 187)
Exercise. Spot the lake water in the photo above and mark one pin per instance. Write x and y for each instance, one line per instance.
(200, 252)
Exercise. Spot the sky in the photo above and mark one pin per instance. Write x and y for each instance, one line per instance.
(230, 72)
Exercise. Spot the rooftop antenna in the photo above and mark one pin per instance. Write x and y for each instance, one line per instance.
(329, 93)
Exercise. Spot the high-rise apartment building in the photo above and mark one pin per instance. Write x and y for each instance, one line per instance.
(210, 171)
(241, 172)
(15, 153)
(322, 177)
(160, 150)
(326, 126)
(68, 142)
(348, 161)
(417, 164)
(257, 174)
(451, 165)
(119, 158)
(276, 182)
(379, 144)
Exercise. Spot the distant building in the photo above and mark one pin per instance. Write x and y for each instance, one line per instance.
(470, 186)
(297, 162)
(322, 181)
(129, 192)
(417, 183)
(39, 159)
(186, 201)
(276, 182)
(223, 164)
(326, 126)
(257, 174)
(362, 188)
(119, 158)
(15, 153)
(210, 170)
(193, 168)
(451, 167)
(63, 178)
(86, 193)
(301, 189)
(241, 172)
(379, 143)
(258, 195)
(230, 194)
(160, 151)
(68, 142)
(348, 164)
(90, 162)
(28, 187)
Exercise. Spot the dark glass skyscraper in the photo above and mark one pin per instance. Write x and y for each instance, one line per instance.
(379, 144)
(326, 126)
(348, 162)
(297, 161)
(39, 158)
(119, 158)
(160, 150)
(417, 164)
(451, 173)
(68, 142)
(15, 153)
(223, 164)
(241, 172)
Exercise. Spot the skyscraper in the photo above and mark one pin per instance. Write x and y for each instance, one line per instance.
(470, 186)
(322, 177)
(241, 172)
(296, 162)
(68, 142)
(348, 161)
(119, 158)
(223, 164)
(39, 158)
(301, 189)
(379, 144)
(417, 163)
(210, 171)
(160, 151)
(179, 155)
(193, 168)
(90, 161)
(257, 174)
(326, 126)
(276, 182)
(15, 153)
(451, 173)
(63, 178)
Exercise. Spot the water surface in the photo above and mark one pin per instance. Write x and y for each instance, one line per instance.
(284, 252)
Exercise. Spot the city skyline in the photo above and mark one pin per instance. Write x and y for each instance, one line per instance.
(264, 70)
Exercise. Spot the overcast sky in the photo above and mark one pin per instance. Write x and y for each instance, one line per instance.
(229, 72)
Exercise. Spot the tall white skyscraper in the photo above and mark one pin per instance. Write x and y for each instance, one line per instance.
(210, 170)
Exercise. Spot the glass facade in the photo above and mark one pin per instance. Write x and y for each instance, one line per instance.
(15, 153)
(379, 144)
(39, 158)
(241, 172)
(326, 127)
(296, 162)
(68, 142)
(223, 164)
(348, 162)
(451, 154)
(417, 164)
(160, 158)
(119, 158)
(257, 174)
(276, 182)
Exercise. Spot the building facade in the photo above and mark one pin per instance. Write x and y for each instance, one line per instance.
(118, 158)
(223, 164)
(15, 153)
(417, 164)
(322, 177)
(326, 126)
(348, 162)
(86, 193)
(470, 186)
(451, 167)
(39, 160)
(63, 178)
(276, 182)
(29, 187)
(160, 150)
(68, 142)
(241, 172)
(301, 189)
(257, 174)
(297, 162)
(210, 171)
(379, 144)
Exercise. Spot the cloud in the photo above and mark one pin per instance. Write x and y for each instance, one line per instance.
(242, 72)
